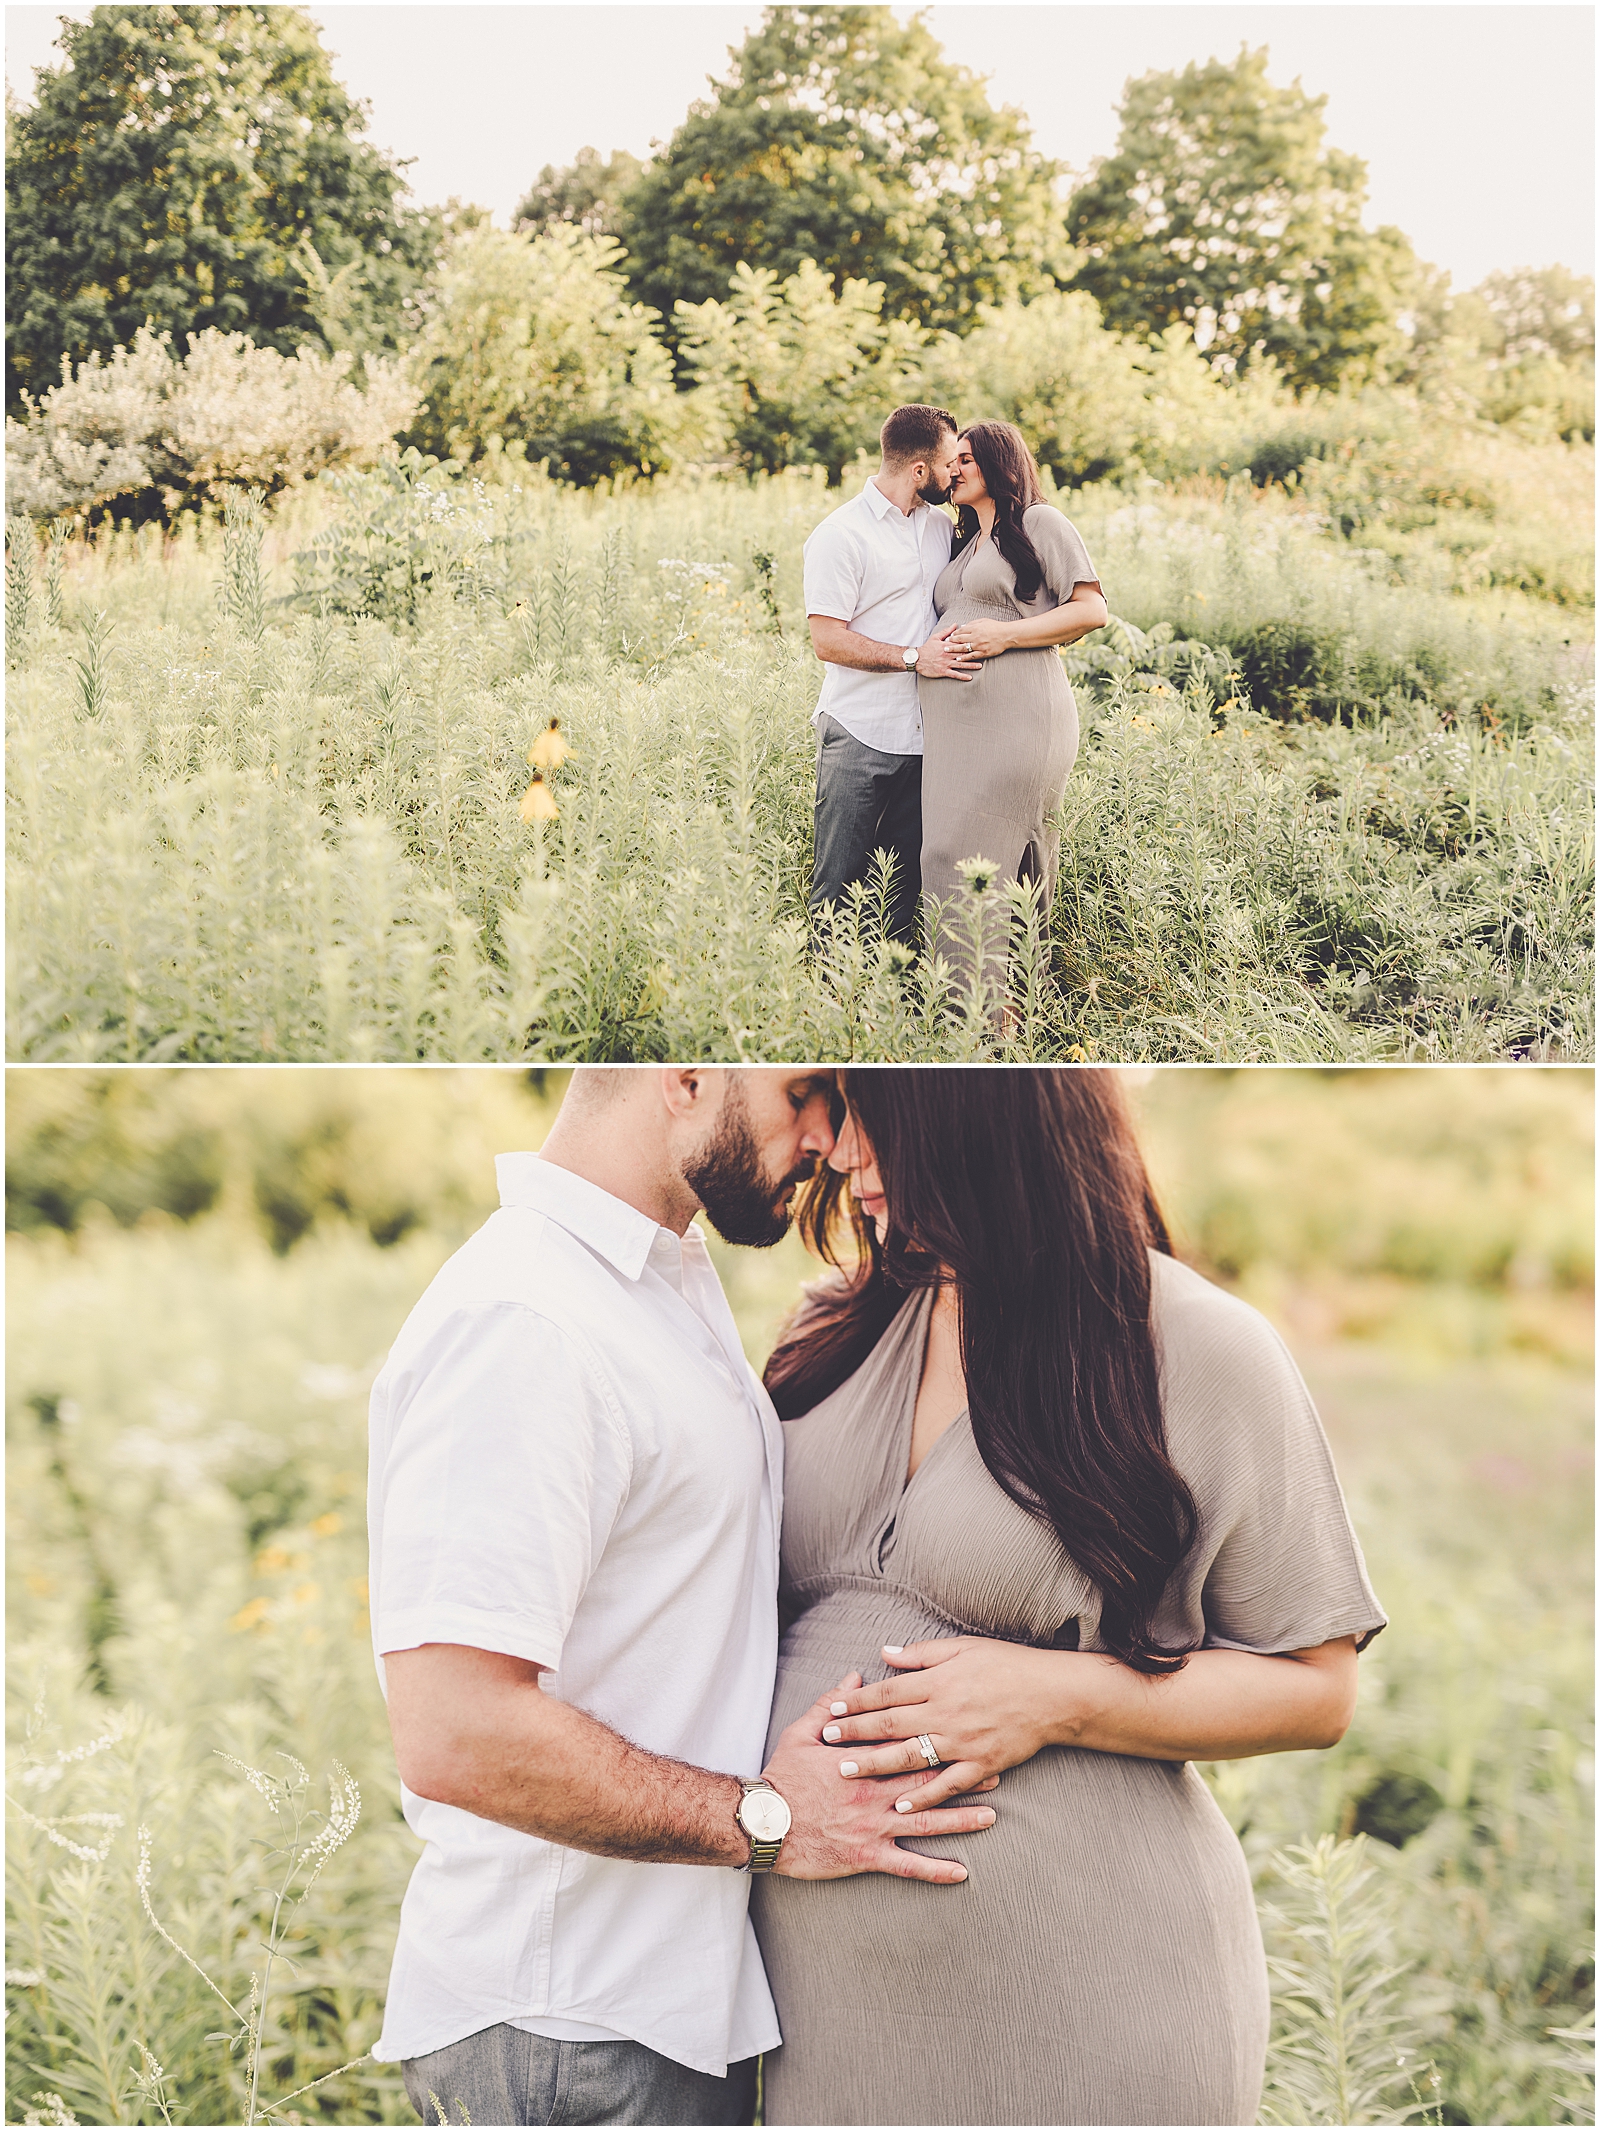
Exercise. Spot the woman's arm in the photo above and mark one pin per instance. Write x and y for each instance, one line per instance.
(1086, 610)
(989, 1705)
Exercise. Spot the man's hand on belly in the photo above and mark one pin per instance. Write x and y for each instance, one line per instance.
(845, 1828)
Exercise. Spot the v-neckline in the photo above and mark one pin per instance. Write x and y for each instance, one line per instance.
(908, 1416)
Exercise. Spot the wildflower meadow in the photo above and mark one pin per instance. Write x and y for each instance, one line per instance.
(428, 765)
(204, 1845)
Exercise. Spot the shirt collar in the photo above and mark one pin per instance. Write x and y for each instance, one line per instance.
(618, 1232)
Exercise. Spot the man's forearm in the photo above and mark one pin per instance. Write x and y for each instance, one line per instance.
(579, 1783)
(838, 645)
(478, 1737)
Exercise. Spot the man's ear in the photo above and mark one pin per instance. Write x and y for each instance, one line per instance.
(687, 1090)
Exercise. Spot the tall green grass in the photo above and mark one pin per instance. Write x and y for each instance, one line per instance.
(185, 1563)
(1318, 813)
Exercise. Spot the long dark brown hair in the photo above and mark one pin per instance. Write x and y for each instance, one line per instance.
(1012, 479)
(1027, 1187)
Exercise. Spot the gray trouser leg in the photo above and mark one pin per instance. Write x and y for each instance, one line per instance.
(503, 2076)
(867, 801)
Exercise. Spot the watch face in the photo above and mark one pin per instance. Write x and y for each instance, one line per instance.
(764, 1816)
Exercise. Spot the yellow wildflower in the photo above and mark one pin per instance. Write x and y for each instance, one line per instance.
(250, 1615)
(325, 1526)
(537, 804)
(550, 750)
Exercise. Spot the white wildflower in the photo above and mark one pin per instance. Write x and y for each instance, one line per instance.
(51, 1829)
(56, 2111)
(257, 1779)
(142, 1882)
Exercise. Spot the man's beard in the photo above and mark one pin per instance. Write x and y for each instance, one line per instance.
(936, 491)
(726, 1176)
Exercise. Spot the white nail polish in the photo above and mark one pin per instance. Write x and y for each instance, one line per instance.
(832, 1734)
(902, 1805)
(849, 1768)
(839, 1709)
(894, 1649)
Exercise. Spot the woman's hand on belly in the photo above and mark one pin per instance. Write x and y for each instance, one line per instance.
(985, 1705)
(988, 1705)
(985, 640)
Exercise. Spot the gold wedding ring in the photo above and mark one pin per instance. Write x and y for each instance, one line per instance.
(929, 1752)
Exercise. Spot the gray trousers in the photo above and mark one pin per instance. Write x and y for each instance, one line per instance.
(503, 2076)
(867, 801)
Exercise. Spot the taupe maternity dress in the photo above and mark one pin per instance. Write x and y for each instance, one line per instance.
(997, 750)
(1102, 1964)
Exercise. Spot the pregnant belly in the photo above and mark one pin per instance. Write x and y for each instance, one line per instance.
(1109, 1891)
(1029, 679)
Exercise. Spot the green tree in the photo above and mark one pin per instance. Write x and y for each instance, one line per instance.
(1535, 311)
(530, 345)
(1222, 210)
(846, 137)
(586, 194)
(196, 167)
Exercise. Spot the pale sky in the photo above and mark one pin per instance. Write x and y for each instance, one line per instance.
(1476, 121)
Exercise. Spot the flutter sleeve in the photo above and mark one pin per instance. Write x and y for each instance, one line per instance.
(1059, 547)
(1276, 1565)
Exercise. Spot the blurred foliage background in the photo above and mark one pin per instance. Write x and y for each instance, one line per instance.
(1443, 1210)
(206, 1268)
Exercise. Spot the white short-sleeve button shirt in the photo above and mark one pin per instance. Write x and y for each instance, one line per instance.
(573, 1463)
(872, 566)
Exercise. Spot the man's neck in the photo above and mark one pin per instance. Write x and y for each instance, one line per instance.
(625, 1173)
(900, 489)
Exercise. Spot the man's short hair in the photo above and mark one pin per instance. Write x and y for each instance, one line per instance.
(913, 433)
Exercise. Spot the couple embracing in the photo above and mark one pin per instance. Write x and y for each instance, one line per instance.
(946, 727)
(842, 1719)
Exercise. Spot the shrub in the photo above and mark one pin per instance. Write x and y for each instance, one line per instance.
(156, 432)
(398, 528)
(1073, 389)
(529, 346)
(792, 373)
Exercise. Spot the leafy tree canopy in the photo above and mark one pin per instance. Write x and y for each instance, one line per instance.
(846, 137)
(198, 167)
(1536, 311)
(1222, 210)
(586, 194)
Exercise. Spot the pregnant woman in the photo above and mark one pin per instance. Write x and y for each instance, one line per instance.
(1079, 1500)
(998, 747)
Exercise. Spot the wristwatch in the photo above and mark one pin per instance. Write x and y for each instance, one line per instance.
(765, 1817)
(909, 657)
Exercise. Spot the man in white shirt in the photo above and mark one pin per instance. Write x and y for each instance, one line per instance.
(574, 1504)
(870, 570)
